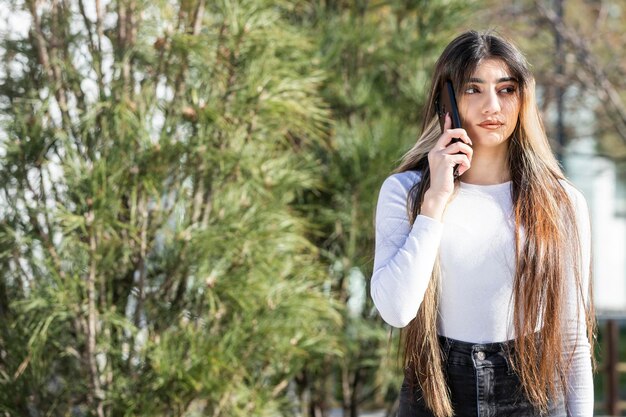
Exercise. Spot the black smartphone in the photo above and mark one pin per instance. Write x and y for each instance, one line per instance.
(446, 103)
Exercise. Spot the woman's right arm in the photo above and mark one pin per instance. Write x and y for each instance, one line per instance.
(404, 255)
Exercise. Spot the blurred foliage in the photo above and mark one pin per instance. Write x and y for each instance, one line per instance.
(153, 260)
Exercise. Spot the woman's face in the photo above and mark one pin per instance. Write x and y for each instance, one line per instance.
(489, 104)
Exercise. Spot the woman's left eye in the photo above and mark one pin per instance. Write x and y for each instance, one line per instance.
(508, 90)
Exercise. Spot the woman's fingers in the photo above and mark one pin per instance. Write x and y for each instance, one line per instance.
(458, 134)
(443, 161)
(459, 147)
(451, 150)
(461, 160)
(449, 134)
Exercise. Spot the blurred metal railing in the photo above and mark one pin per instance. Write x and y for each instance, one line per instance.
(611, 367)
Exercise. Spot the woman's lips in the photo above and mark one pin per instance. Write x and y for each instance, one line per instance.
(491, 125)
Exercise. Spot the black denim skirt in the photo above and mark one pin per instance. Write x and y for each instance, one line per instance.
(482, 384)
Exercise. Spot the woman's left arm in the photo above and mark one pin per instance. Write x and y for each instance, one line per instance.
(579, 395)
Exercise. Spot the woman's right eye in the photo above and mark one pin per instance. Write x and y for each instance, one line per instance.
(471, 90)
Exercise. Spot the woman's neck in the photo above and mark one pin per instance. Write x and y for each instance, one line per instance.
(489, 166)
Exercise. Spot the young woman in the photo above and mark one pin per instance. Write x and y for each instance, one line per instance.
(488, 274)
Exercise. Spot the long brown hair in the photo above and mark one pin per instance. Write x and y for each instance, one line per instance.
(548, 248)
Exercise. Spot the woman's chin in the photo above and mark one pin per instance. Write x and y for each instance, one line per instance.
(489, 140)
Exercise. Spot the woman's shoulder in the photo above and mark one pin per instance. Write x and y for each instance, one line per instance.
(401, 182)
(395, 188)
(571, 190)
(575, 195)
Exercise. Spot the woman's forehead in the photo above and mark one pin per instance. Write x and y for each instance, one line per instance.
(492, 70)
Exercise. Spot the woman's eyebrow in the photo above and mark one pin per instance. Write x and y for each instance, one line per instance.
(500, 80)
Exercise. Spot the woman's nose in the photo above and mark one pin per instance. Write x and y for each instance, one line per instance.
(492, 103)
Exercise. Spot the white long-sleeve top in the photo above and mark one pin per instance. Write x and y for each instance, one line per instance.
(476, 245)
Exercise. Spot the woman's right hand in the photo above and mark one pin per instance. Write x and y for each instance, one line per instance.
(442, 159)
